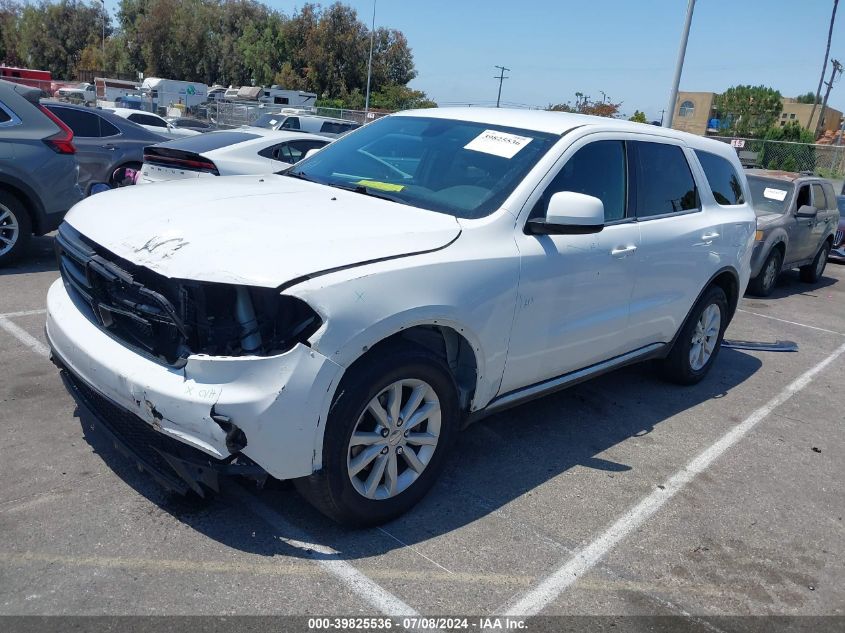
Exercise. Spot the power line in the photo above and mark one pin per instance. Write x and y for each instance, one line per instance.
(501, 78)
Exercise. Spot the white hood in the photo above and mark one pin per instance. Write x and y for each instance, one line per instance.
(254, 230)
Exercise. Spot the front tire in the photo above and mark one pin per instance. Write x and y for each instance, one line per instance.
(15, 228)
(763, 284)
(813, 272)
(389, 429)
(698, 343)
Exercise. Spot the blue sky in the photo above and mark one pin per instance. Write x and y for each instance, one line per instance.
(626, 48)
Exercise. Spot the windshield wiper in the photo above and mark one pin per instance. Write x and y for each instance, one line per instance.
(368, 192)
(297, 174)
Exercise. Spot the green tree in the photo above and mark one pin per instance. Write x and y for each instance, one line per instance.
(809, 97)
(9, 12)
(638, 117)
(52, 36)
(795, 152)
(749, 110)
(585, 105)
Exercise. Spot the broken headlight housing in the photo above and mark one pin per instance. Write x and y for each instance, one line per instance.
(170, 319)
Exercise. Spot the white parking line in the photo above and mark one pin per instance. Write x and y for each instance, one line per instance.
(810, 327)
(587, 557)
(371, 592)
(24, 337)
(22, 313)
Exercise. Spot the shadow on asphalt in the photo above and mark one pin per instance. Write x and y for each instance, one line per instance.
(40, 258)
(789, 283)
(494, 462)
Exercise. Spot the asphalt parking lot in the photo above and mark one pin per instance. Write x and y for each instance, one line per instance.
(621, 496)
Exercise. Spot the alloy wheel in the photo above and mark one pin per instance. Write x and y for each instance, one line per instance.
(9, 230)
(705, 337)
(394, 439)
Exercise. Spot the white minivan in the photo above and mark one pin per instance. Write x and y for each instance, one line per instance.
(339, 323)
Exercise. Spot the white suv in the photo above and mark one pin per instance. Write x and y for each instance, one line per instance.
(417, 274)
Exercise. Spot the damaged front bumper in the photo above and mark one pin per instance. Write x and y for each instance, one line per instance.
(278, 403)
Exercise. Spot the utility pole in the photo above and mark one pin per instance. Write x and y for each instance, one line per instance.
(661, 116)
(501, 77)
(103, 3)
(370, 63)
(836, 67)
(824, 64)
(679, 65)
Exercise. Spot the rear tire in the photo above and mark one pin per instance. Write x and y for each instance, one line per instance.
(15, 228)
(402, 456)
(763, 284)
(698, 343)
(813, 272)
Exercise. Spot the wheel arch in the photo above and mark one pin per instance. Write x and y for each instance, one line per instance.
(27, 197)
(725, 278)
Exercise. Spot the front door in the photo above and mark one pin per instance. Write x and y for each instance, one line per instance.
(574, 290)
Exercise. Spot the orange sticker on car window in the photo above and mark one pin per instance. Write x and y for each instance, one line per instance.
(384, 186)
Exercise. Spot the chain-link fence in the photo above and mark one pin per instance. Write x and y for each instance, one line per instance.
(823, 160)
(226, 113)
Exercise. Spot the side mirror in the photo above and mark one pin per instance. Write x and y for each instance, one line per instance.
(569, 213)
(806, 211)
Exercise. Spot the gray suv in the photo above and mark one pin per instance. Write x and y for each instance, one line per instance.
(797, 216)
(38, 170)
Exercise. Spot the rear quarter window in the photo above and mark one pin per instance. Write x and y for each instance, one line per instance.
(722, 177)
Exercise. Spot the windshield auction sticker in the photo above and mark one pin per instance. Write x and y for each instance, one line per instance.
(774, 194)
(498, 143)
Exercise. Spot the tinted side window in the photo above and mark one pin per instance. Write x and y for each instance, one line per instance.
(664, 182)
(107, 129)
(83, 124)
(818, 197)
(4, 116)
(722, 178)
(597, 169)
(145, 119)
(830, 195)
(291, 123)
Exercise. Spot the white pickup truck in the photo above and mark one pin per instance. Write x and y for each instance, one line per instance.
(82, 93)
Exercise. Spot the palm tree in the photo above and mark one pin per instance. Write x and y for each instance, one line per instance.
(824, 65)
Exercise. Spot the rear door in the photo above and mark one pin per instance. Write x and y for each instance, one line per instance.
(94, 139)
(679, 241)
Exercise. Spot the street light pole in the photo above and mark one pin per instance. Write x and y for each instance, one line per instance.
(370, 63)
(679, 65)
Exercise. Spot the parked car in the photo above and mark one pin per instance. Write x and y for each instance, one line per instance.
(796, 220)
(227, 153)
(305, 123)
(38, 169)
(82, 93)
(106, 144)
(338, 324)
(837, 251)
(154, 123)
(191, 124)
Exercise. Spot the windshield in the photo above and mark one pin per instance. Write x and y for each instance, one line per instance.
(769, 195)
(268, 121)
(462, 168)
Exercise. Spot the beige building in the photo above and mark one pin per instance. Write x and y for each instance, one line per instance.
(693, 110)
(800, 112)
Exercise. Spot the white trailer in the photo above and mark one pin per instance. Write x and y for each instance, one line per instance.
(292, 98)
(167, 93)
(110, 90)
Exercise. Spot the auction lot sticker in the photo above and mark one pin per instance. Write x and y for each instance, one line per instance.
(774, 194)
(498, 143)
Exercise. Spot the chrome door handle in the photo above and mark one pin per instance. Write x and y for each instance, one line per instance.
(623, 251)
(709, 236)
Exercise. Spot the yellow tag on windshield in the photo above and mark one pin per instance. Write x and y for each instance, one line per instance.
(384, 186)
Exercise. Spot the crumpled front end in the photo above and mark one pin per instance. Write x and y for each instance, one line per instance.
(277, 402)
